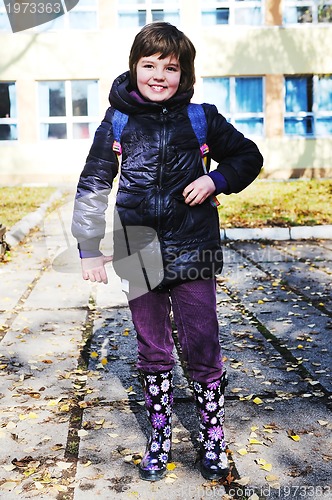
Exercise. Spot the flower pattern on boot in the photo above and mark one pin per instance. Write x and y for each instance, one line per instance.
(210, 404)
(158, 393)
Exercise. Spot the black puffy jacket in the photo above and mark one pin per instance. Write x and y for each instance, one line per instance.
(160, 158)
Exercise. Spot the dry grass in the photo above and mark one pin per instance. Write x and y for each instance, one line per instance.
(278, 203)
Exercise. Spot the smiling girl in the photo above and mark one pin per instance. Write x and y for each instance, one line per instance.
(164, 189)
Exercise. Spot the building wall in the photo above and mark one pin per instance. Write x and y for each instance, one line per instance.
(271, 51)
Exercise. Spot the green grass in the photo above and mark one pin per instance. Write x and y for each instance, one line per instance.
(278, 203)
(16, 202)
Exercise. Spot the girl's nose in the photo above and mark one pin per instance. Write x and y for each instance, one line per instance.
(159, 74)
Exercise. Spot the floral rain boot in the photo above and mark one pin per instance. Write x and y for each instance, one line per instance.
(158, 392)
(210, 404)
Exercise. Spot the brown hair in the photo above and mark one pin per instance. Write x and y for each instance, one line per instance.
(164, 39)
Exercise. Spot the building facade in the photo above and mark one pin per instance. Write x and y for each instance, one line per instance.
(266, 64)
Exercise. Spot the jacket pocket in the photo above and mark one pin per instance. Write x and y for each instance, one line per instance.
(129, 200)
(131, 208)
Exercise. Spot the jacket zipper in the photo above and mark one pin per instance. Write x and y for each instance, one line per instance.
(160, 173)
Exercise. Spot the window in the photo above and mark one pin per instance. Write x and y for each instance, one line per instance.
(308, 105)
(8, 111)
(82, 17)
(68, 109)
(4, 21)
(240, 100)
(240, 12)
(307, 11)
(133, 13)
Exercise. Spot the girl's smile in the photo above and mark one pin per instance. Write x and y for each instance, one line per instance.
(158, 79)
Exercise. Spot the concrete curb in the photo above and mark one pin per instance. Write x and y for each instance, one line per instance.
(22, 228)
(278, 233)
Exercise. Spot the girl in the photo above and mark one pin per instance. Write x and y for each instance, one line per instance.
(164, 189)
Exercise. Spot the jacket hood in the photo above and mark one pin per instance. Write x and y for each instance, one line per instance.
(122, 98)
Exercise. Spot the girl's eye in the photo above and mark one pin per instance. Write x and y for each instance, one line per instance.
(172, 68)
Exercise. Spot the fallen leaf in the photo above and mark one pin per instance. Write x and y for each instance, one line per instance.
(64, 465)
(171, 466)
(255, 441)
(257, 401)
(243, 481)
(271, 478)
(82, 433)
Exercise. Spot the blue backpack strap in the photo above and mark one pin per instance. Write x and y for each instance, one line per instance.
(199, 124)
(118, 123)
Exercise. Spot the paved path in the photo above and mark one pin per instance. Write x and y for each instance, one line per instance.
(72, 423)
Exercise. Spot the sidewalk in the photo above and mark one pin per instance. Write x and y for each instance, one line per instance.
(72, 423)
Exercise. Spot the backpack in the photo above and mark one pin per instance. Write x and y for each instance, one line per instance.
(198, 122)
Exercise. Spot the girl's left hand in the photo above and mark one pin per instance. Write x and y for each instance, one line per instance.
(197, 191)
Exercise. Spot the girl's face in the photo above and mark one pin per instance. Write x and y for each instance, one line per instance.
(158, 79)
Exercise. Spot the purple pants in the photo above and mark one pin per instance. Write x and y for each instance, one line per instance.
(194, 311)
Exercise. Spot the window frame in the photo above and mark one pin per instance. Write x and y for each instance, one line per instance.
(233, 116)
(11, 121)
(69, 119)
(55, 26)
(233, 6)
(314, 115)
(313, 4)
(148, 6)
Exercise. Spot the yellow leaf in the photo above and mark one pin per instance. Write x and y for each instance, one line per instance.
(271, 478)
(242, 451)
(170, 466)
(53, 402)
(94, 355)
(266, 467)
(254, 428)
(65, 407)
(246, 398)
(169, 480)
(100, 422)
(255, 441)
(129, 389)
(87, 464)
(260, 301)
(172, 476)
(295, 437)
(104, 361)
(257, 401)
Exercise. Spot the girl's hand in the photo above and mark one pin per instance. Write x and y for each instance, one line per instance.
(93, 268)
(196, 192)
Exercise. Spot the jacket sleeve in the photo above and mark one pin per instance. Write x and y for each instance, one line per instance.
(94, 186)
(239, 159)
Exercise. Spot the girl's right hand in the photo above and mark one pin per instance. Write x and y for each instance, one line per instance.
(93, 268)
